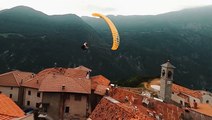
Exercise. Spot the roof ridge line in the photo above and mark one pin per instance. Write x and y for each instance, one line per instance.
(15, 79)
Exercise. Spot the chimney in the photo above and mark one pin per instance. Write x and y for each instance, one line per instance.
(63, 87)
(88, 75)
(107, 92)
(33, 75)
(37, 81)
(195, 104)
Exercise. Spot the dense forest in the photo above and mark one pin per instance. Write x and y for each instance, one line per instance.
(31, 41)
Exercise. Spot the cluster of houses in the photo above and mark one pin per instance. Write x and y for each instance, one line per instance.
(55, 93)
(71, 93)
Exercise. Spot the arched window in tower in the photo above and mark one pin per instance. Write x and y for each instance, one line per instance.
(163, 73)
(169, 74)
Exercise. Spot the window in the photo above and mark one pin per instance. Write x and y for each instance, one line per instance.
(29, 92)
(11, 88)
(67, 110)
(77, 97)
(172, 92)
(163, 73)
(207, 101)
(11, 95)
(37, 105)
(45, 109)
(38, 94)
(0, 92)
(169, 74)
(28, 102)
(181, 102)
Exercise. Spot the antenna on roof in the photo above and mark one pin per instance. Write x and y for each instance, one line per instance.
(55, 64)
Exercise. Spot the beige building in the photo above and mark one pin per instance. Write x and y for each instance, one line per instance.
(10, 84)
(65, 97)
(32, 97)
(60, 93)
(185, 96)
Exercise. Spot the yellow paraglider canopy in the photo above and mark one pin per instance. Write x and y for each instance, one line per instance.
(115, 34)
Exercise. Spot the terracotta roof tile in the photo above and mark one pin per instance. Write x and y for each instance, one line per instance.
(34, 82)
(99, 80)
(205, 109)
(14, 78)
(54, 83)
(81, 67)
(110, 109)
(75, 73)
(52, 70)
(100, 89)
(6, 117)
(70, 72)
(180, 89)
(9, 108)
(168, 111)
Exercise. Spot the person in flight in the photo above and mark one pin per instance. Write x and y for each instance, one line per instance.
(84, 46)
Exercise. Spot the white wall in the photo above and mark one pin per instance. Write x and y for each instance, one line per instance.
(76, 107)
(207, 97)
(32, 98)
(177, 99)
(8, 90)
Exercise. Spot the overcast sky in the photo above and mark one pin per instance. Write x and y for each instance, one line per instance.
(115, 7)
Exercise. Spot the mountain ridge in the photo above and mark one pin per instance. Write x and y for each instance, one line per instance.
(146, 43)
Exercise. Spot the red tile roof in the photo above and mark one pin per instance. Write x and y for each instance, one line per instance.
(52, 70)
(99, 80)
(54, 83)
(81, 67)
(168, 111)
(75, 73)
(14, 78)
(180, 89)
(34, 82)
(110, 109)
(205, 109)
(6, 117)
(70, 72)
(100, 89)
(8, 109)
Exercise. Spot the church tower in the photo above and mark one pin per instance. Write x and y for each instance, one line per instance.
(166, 79)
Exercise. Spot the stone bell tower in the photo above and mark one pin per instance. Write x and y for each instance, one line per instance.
(166, 79)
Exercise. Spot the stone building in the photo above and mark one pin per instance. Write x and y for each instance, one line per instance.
(166, 79)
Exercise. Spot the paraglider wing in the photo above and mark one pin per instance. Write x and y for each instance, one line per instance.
(115, 34)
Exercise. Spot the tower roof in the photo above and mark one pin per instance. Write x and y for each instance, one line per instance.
(168, 65)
